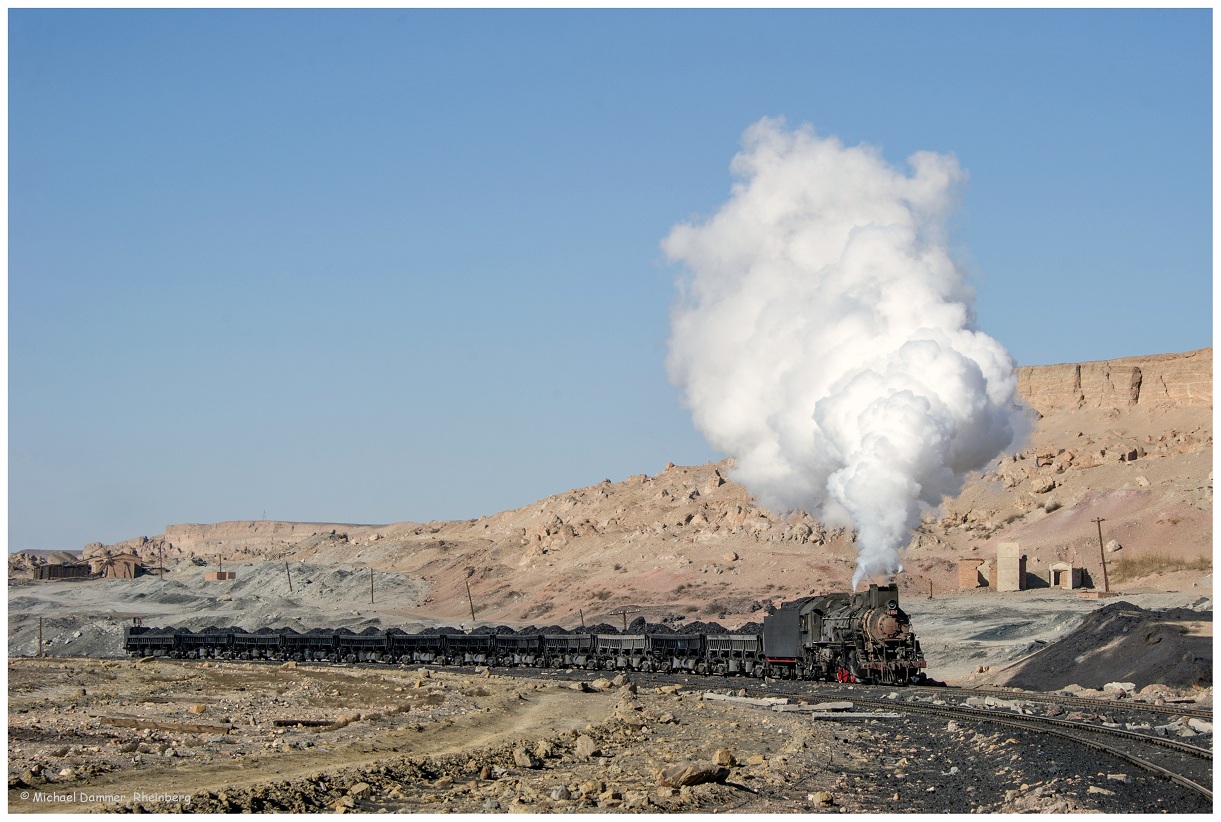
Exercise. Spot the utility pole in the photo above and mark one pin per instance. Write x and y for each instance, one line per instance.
(623, 612)
(160, 563)
(370, 586)
(582, 610)
(40, 636)
(290, 576)
(1102, 552)
(470, 600)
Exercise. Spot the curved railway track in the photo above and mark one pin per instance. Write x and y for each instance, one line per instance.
(1082, 733)
(1184, 764)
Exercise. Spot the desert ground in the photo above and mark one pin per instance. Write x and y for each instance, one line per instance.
(178, 736)
(1127, 441)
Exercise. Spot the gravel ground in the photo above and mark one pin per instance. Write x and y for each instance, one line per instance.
(419, 741)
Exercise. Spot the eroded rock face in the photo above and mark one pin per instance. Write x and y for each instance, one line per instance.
(1169, 379)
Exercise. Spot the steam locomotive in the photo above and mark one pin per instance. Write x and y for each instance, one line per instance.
(857, 637)
(844, 637)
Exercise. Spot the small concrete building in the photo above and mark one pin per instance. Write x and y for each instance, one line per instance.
(217, 576)
(968, 574)
(1010, 567)
(1064, 575)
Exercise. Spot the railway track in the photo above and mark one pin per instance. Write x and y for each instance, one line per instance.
(1184, 764)
(1081, 702)
(1196, 779)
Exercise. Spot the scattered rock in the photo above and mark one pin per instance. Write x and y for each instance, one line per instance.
(591, 788)
(691, 773)
(586, 748)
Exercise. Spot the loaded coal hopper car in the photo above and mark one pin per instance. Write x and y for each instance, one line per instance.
(844, 637)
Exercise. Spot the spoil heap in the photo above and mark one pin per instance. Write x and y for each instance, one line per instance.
(1125, 643)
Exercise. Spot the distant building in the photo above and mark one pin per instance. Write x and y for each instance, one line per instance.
(1010, 567)
(968, 574)
(62, 570)
(118, 566)
(1064, 575)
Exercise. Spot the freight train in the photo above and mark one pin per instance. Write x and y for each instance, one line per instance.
(845, 637)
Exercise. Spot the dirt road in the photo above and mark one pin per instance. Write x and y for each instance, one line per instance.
(60, 712)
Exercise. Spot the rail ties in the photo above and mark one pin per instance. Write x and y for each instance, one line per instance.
(1077, 732)
(1084, 702)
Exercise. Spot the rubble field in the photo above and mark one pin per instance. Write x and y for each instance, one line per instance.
(177, 736)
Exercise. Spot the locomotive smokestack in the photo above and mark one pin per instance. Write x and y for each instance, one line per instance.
(825, 338)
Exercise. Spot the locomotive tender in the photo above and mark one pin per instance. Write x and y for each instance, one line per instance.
(845, 637)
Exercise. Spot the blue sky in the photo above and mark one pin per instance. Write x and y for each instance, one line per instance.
(404, 265)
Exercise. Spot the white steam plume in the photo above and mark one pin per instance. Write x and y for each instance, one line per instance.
(825, 338)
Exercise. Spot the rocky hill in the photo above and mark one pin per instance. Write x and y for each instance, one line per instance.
(1127, 440)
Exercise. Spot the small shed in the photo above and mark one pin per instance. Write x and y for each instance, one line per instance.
(1064, 575)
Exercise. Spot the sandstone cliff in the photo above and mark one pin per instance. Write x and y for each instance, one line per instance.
(1162, 381)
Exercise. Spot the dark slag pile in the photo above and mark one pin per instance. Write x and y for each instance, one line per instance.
(1121, 642)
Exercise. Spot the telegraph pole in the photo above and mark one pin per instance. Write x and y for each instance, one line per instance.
(290, 576)
(1106, 584)
(370, 586)
(470, 600)
(623, 612)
